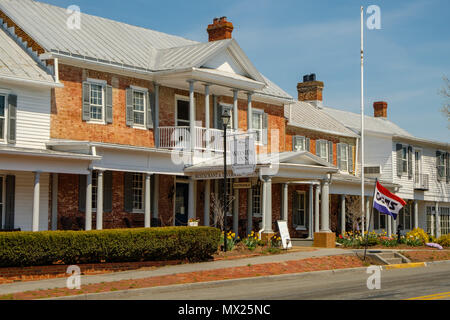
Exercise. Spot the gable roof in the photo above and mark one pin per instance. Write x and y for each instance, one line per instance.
(18, 64)
(353, 121)
(304, 115)
(119, 44)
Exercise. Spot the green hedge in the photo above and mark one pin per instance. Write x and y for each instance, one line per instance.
(117, 245)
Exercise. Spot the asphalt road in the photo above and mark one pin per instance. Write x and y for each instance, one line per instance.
(395, 284)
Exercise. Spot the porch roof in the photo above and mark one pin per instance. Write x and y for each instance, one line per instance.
(46, 153)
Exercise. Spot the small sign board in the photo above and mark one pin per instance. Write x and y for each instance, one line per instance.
(242, 185)
(284, 234)
(243, 155)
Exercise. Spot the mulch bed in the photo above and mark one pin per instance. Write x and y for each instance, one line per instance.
(424, 256)
(287, 267)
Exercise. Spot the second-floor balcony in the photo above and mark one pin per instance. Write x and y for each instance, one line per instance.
(421, 181)
(179, 138)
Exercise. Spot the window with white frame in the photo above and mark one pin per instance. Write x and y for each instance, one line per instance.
(299, 143)
(405, 159)
(323, 149)
(257, 124)
(445, 220)
(138, 191)
(2, 117)
(138, 108)
(97, 102)
(441, 165)
(343, 157)
(256, 200)
(299, 214)
(404, 216)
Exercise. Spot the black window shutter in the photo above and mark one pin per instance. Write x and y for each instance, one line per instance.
(150, 108)
(107, 191)
(295, 208)
(128, 192)
(350, 159)
(82, 181)
(265, 128)
(338, 149)
(308, 144)
(447, 166)
(410, 164)
(86, 112)
(438, 171)
(10, 202)
(12, 118)
(399, 151)
(129, 112)
(109, 104)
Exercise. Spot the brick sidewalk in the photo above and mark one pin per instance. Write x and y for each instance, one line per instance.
(258, 270)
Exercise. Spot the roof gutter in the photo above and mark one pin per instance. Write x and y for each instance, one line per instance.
(34, 83)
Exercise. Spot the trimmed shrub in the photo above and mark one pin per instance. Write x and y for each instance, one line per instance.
(419, 235)
(444, 240)
(117, 245)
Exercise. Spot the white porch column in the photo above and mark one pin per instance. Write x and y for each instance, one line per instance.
(100, 200)
(192, 114)
(267, 202)
(54, 201)
(155, 207)
(389, 225)
(36, 196)
(236, 211)
(147, 203)
(207, 106)
(235, 110)
(394, 226)
(316, 209)
(310, 211)
(156, 111)
(343, 213)
(325, 210)
(438, 221)
(207, 207)
(191, 204)
(249, 111)
(249, 210)
(284, 203)
(88, 221)
(416, 214)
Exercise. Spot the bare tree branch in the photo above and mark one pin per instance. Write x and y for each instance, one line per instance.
(445, 92)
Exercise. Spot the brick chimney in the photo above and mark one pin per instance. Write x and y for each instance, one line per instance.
(380, 109)
(220, 29)
(310, 90)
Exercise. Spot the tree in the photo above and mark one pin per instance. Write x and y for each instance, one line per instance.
(217, 209)
(353, 210)
(445, 92)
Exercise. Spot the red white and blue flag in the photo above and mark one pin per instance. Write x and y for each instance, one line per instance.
(386, 202)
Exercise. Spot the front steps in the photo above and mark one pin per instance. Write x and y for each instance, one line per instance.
(297, 242)
(388, 257)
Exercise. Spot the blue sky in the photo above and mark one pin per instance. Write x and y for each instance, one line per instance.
(285, 39)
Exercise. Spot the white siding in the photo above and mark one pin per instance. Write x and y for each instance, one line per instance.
(33, 115)
(377, 152)
(24, 201)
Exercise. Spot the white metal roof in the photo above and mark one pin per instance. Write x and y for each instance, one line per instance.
(304, 115)
(353, 120)
(116, 43)
(16, 63)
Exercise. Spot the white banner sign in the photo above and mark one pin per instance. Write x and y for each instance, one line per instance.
(284, 234)
(243, 155)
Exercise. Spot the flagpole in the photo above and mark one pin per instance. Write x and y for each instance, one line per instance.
(370, 220)
(362, 122)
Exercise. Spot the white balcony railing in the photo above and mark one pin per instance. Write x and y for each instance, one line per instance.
(178, 138)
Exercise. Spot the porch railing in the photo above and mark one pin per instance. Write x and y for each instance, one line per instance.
(421, 181)
(180, 138)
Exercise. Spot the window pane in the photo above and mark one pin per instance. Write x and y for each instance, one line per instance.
(183, 110)
(2, 106)
(138, 191)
